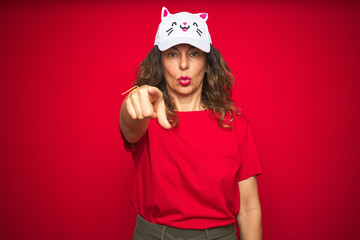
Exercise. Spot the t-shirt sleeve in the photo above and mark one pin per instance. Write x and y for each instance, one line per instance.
(131, 147)
(250, 162)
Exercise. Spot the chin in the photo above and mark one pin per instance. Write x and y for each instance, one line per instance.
(185, 90)
(178, 89)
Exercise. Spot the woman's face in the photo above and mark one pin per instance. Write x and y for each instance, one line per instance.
(184, 70)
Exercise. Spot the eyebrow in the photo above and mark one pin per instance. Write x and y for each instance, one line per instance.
(178, 49)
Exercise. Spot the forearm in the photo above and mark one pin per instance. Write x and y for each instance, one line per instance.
(250, 224)
(133, 129)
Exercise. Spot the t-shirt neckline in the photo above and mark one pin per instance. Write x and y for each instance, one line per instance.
(191, 111)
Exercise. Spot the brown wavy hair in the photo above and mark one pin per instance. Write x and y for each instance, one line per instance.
(216, 90)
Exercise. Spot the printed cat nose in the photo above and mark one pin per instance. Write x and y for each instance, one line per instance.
(184, 23)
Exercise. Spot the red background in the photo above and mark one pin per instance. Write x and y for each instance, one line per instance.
(63, 66)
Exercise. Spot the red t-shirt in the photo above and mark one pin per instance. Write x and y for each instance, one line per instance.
(187, 177)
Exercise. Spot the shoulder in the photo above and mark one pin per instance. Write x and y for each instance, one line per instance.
(236, 119)
(239, 119)
(240, 124)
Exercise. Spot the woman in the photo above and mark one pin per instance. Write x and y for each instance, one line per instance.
(194, 153)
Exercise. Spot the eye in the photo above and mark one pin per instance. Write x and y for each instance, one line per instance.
(171, 54)
(195, 24)
(174, 23)
(194, 54)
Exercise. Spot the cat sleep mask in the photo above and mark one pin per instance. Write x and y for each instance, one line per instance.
(183, 27)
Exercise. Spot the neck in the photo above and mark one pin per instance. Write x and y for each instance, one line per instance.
(187, 103)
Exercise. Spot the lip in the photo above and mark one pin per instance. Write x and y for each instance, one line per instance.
(184, 78)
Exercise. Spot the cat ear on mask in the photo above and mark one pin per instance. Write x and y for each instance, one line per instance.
(165, 13)
(203, 16)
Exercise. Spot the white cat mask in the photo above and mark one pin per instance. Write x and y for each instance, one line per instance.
(183, 27)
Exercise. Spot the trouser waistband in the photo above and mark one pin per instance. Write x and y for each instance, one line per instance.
(147, 230)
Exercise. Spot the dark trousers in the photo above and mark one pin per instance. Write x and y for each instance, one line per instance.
(145, 230)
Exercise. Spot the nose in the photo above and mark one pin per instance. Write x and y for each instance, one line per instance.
(184, 23)
(184, 62)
